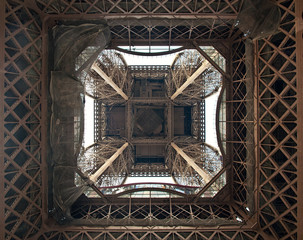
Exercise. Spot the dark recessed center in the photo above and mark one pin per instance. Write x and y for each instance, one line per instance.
(149, 122)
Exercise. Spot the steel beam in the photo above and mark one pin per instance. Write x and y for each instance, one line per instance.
(150, 100)
(206, 64)
(299, 56)
(185, 43)
(170, 120)
(44, 127)
(102, 169)
(250, 123)
(150, 141)
(206, 187)
(154, 16)
(204, 54)
(108, 80)
(2, 57)
(129, 122)
(192, 163)
(93, 186)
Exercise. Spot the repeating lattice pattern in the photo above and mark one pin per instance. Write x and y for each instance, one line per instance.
(213, 29)
(153, 235)
(139, 7)
(278, 128)
(154, 214)
(277, 102)
(201, 18)
(238, 107)
(22, 122)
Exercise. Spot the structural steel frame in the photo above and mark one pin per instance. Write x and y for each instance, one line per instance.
(277, 115)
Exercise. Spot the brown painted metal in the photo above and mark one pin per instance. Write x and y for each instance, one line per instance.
(278, 112)
(21, 84)
(278, 143)
(209, 59)
(299, 58)
(2, 164)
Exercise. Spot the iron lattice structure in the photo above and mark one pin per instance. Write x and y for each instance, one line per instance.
(276, 178)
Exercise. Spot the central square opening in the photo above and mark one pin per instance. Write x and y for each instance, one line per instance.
(149, 121)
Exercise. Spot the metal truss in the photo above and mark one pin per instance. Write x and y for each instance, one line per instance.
(182, 234)
(109, 80)
(115, 9)
(190, 157)
(193, 77)
(236, 124)
(162, 22)
(198, 121)
(277, 143)
(22, 129)
(111, 157)
(23, 115)
(154, 213)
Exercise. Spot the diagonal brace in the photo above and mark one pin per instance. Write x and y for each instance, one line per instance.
(108, 162)
(206, 64)
(109, 81)
(192, 163)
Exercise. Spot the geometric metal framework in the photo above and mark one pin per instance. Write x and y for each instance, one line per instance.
(108, 83)
(274, 176)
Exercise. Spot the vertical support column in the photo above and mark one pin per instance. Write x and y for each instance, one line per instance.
(249, 121)
(2, 36)
(170, 120)
(229, 110)
(299, 57)
(256, 128)
(44, 124)
(129, 123)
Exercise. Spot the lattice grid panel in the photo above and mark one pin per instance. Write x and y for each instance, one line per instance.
(238, 105)
(276, 62)
(278, 129)
(22, 126)
(152, 235)
(138, 7)
(197, 19)
(162, 214)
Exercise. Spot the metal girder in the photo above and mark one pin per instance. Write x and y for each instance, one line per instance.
(278, 143)
(167, 213)
(22, 148)
(276, 63)
(138, 9)
(109, 80)
(108, 162)
(299, 34)
(2, 164)
(135, 233)
(192, 163)
(191, 79)
(208, 58)
(93, 186)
